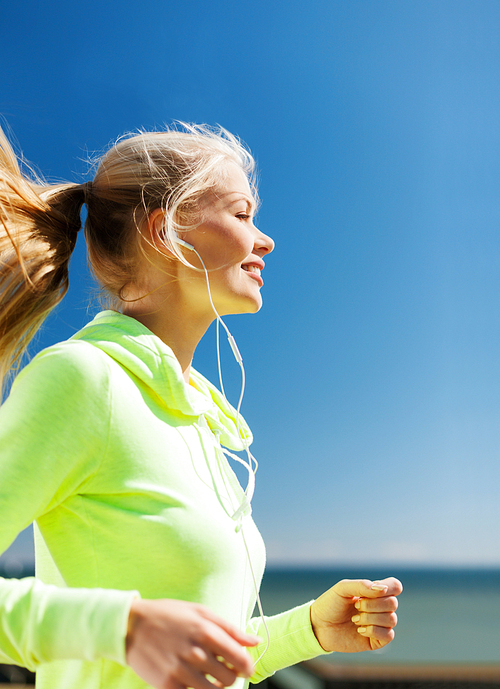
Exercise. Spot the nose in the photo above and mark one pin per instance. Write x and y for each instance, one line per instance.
(263, 243)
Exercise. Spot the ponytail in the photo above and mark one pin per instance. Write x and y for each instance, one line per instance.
(38, 229)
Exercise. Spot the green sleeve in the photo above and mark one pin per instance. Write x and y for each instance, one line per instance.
(53, 433)
(291, 641)
(40, 623)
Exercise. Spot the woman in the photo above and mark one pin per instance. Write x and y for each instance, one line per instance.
(113, 445)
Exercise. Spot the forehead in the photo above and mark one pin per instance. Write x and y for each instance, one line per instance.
(232, 187)
(234, 179)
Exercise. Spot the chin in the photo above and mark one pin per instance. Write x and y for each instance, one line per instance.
(253, 304)
(257, 307)
(250, 305)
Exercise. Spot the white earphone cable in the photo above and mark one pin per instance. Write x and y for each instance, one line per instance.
(251, 465)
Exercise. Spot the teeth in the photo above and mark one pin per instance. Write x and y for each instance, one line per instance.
(251, 269)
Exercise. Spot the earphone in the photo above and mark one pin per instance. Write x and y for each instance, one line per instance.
(245, 507)
(252, 464)
(180, 241)
(231, 340)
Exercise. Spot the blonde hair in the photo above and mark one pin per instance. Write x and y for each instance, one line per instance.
(39, 223)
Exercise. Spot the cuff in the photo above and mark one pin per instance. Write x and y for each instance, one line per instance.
(292, 641)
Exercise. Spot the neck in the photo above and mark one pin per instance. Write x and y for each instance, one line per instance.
(169, 306)
(181, 337)
(168, 322)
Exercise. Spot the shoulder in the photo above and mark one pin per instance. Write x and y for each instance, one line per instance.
(64, 388)
(69, 367)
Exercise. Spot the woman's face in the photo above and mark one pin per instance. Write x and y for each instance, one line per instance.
(231, 247)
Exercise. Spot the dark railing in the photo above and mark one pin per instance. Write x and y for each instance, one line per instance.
(11, 674)
(320, 675)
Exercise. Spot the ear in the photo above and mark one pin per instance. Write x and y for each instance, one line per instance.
(156, 230)
(157, 235)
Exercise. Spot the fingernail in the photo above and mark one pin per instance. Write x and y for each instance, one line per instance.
(361, 630)
(357, 605)
(356, 618)
(378, 587)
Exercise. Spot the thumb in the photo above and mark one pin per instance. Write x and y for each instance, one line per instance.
(361, 588)
(235, 632)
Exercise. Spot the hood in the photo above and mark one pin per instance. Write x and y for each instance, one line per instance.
(148, 358)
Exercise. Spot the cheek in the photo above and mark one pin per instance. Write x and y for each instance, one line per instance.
(241, 249)
(226, 246)
(239, 241)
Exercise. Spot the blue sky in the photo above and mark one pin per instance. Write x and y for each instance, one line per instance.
(374, 367)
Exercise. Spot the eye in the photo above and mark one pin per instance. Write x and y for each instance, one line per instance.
(242, 216)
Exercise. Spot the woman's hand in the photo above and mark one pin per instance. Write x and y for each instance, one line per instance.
(356, 615)
(172, 644)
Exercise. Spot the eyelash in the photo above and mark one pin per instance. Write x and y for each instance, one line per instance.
(243, 216)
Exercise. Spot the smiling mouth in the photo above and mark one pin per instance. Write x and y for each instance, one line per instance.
(251, 269)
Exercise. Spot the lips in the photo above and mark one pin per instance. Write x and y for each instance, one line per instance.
(251, 269)
(254, 269)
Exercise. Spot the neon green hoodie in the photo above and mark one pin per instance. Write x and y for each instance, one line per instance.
(119, 464)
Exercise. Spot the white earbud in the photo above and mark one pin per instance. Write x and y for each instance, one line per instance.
(180, 241)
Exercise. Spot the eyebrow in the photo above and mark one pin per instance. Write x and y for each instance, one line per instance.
(243, 197)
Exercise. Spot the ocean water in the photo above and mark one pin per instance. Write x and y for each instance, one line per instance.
(445, 615)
